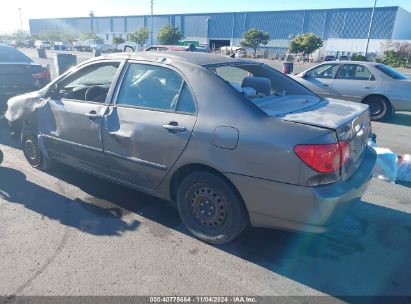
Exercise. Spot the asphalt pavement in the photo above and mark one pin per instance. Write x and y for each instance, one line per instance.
(69, 233)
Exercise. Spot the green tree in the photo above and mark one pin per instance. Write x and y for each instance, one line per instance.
(91, 36)
(139, 36)
(169, 35)
(394, 59)
(359, 57)
(118, 40)
(254, 38)
(307, 43)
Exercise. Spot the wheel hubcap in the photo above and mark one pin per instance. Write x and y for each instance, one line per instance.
(31, 151)
(376, 108)
(208, 207)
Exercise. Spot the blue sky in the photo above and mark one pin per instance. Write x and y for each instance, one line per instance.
(9, 14)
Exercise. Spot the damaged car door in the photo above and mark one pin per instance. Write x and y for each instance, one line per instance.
(149, 125)
(78, 103)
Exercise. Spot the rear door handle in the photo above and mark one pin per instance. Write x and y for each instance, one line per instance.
(368, 88)
(173, 127)
(326, 85)
(92, 115)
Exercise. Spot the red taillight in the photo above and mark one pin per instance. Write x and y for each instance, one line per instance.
(325, 158)
(44, 74)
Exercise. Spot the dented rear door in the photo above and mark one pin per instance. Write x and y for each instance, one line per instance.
(148, 127)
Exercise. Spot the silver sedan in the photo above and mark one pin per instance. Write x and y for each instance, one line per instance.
(383, 88)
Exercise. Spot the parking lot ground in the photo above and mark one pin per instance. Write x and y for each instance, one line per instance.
(69, 233)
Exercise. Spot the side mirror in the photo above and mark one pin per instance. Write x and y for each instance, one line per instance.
(53, 91)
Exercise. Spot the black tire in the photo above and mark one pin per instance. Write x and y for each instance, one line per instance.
(210, 208)
(380, 107)
(31, 151)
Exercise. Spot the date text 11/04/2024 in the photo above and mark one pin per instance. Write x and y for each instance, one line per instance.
(203, 299)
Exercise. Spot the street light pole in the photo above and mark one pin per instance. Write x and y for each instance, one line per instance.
(21, 20)
(152, 22)
(370, 27)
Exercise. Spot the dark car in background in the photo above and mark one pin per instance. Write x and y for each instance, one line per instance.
(329, 58)
(19, 74)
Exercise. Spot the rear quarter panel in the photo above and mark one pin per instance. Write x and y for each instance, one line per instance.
(265, 144)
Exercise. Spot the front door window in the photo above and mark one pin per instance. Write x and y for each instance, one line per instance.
(90, 84)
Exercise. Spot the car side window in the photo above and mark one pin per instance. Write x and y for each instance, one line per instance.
(325, 71)
(150, 86)
(186, 103)
(355, 72)
(91, 83)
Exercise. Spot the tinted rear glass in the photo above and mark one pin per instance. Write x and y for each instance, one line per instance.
(8, 54)
(391, 72)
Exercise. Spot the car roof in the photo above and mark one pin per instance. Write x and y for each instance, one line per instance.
(351, 62)
(199, 58)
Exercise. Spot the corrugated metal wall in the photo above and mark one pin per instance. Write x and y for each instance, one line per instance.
(134, 23)
(118, 24)
(195, 26)
(334, 23)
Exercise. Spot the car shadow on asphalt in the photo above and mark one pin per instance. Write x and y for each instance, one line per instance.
(84, 216)
(400, 119)
(368, 253)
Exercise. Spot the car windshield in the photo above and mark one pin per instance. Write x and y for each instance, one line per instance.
(8, 54)
(391, 72)
(256, 81)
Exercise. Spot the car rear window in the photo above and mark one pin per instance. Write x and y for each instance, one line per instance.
(256, 81)
(8, 54)
(391, 72)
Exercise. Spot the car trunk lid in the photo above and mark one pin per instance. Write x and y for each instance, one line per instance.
(18, 77)
(350, 121)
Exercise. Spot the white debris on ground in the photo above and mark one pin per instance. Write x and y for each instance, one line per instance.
(390, 166)
(404, 169)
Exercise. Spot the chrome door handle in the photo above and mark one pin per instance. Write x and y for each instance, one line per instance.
(174, 128)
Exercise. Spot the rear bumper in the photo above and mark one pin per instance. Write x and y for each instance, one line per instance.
(311, 209)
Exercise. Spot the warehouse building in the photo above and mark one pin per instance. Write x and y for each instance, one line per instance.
(343, 30)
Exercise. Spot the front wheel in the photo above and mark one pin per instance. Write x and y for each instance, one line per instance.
(32, 152)
(210, 208)
(380, 107)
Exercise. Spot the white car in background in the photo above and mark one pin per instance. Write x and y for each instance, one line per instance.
(383, 88)
(42, 44)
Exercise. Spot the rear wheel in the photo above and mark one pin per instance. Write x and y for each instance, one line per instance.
(32, 152)
(380, 107)
(210, 208)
